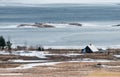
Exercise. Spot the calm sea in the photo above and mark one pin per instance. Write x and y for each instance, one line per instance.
(59, 13)
(98, 31)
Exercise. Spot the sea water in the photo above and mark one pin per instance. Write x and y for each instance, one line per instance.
(97, 26)
(59, 13)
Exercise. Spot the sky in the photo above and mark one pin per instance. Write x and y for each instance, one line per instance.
(56, 1)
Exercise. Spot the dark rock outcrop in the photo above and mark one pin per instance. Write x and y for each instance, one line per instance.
(38, 25)
(76, 24)
(118, 25)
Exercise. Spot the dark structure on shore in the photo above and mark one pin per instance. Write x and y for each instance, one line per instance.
(90, 49)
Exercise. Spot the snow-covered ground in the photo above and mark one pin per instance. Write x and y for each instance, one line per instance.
(4, 53)
(31, 65)
(39, 54)
(28, 61)
(117, 56)
(68, 55)
(106, 66)
(10, 74)
(25, 53)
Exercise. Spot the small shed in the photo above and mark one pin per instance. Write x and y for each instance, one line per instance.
(90, 49)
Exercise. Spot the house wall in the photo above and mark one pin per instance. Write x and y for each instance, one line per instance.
(88, 50)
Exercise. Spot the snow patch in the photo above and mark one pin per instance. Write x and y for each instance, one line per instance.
(25, 53)
(4, 53)
(106, 66)
(27, 61)
(27, 66)
(30, 53)
(118, 56)
(9, 74)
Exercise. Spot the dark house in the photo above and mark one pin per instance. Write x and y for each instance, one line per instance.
(90, 49)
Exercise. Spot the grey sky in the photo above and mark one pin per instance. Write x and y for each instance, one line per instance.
(57, 1)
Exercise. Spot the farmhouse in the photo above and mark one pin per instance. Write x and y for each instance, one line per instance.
(90, 49)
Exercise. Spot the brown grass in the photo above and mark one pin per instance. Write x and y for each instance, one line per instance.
(66, 69)
(103, 73)
(9, 65)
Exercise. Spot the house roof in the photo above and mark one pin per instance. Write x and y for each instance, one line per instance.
(93, 48)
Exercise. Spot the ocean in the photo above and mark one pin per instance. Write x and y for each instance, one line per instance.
(59, 13)
(97, 24)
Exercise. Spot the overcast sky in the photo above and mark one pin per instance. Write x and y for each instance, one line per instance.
(57, 1)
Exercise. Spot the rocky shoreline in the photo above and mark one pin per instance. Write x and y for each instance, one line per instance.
(75, 24)
(37, 25)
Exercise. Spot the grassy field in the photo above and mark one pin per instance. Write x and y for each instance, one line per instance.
(65, 69)
(103, 73)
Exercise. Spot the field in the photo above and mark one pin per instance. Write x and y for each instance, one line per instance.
(64, 69)
(62, 64)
